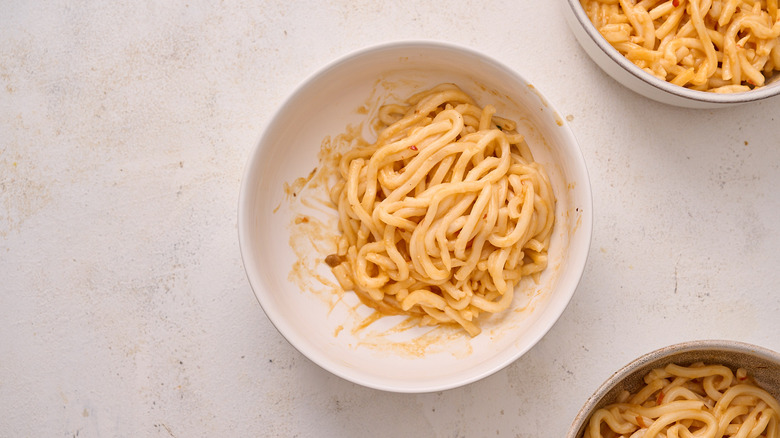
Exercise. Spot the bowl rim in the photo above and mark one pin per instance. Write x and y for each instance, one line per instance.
(658, 355)
(577, 265)
(629, 67)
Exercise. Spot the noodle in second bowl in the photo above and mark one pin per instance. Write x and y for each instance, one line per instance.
(720, 46)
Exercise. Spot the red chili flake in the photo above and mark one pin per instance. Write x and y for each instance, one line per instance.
(641, 422)
(675, 3)
(660, 398)
(413, 147)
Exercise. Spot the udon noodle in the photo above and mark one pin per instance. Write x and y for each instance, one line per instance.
(722, 46)
(444, 214)
(703, 401)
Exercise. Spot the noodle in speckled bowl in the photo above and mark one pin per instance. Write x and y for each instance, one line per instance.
(761, 365)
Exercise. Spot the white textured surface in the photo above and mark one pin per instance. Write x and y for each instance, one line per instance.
(124, 129)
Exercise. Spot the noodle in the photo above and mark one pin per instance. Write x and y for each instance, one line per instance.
(444, 214)
(705, 401)
(721, 46)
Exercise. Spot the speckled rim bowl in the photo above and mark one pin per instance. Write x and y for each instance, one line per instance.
(634, 78)
(327, 329)
(761, 363)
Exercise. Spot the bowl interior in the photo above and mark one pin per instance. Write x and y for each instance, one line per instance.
(762, 364)
(283, 259)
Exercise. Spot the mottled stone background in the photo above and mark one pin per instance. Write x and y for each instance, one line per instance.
(124, 308)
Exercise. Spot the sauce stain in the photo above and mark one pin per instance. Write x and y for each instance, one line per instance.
(298, 185)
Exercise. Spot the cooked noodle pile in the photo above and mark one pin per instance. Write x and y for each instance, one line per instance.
(444, 214)
(703, 401)
(723, 46)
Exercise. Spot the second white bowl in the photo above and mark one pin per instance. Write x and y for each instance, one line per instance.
(634, 78)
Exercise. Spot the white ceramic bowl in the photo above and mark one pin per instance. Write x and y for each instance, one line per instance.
(761, 363)
(301, 301)
(636, 79)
